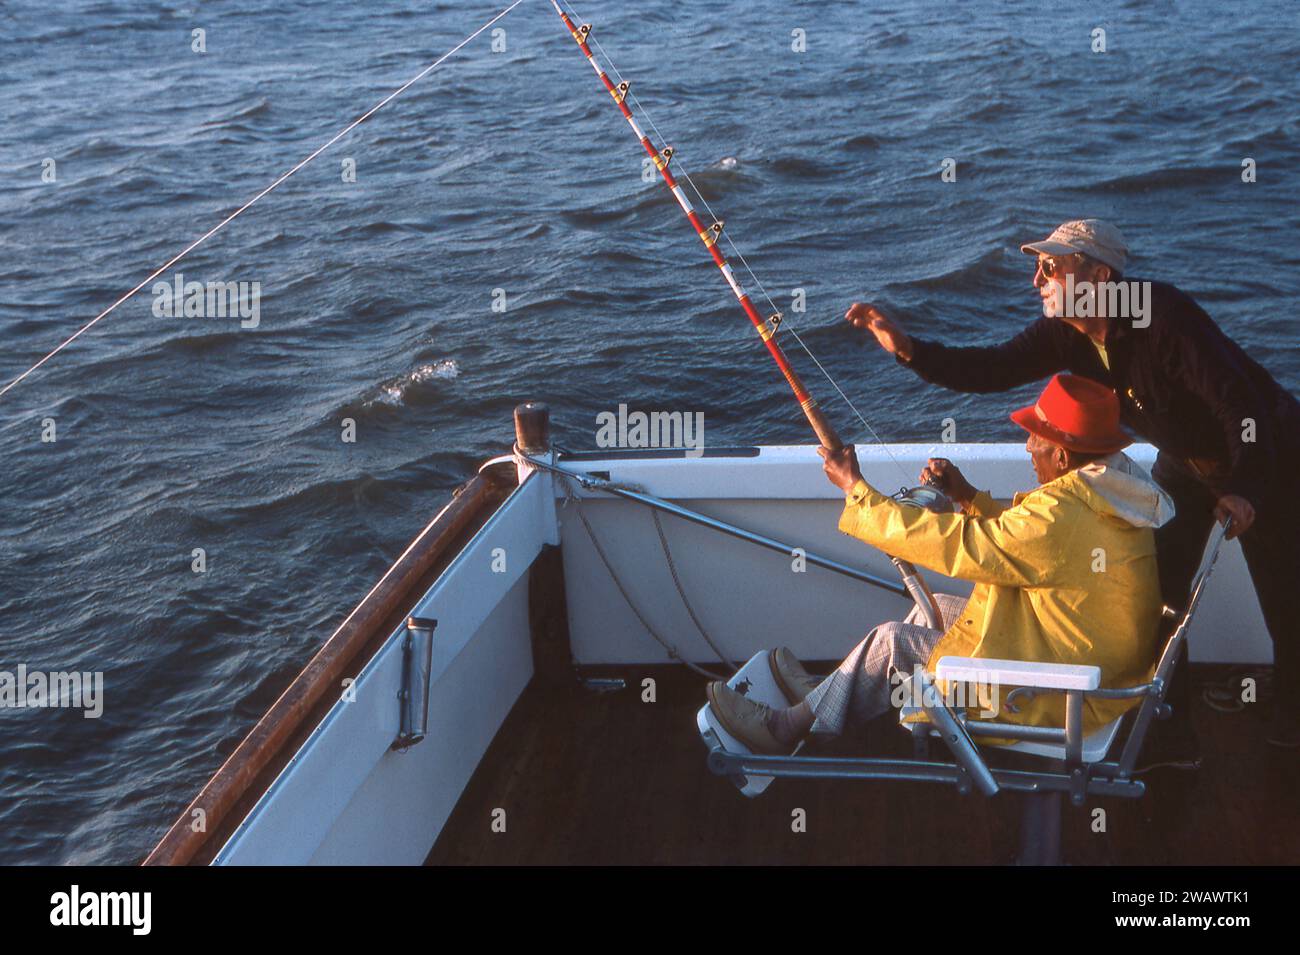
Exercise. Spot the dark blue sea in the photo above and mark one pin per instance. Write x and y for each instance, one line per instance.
(512, 170)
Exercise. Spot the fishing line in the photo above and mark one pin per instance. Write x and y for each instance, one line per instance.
(685, 174)
(222, 224)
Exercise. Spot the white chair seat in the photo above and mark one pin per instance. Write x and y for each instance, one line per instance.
(1095, 745)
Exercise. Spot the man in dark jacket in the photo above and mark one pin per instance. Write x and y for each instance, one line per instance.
(1228, 434)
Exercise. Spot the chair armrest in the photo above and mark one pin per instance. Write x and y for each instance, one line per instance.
(1045, 676)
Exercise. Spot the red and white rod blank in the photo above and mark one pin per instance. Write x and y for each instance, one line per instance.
(709, 236)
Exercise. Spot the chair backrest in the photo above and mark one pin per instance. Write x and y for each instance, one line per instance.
(1174, 644)
(1173, 647)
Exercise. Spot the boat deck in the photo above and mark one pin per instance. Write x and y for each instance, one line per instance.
(603, 778)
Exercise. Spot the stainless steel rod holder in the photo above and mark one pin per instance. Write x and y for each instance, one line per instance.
(417, 664)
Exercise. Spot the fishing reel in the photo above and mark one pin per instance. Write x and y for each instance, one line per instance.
(930, 497)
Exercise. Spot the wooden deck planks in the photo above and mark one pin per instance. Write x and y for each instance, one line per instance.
(605, 779)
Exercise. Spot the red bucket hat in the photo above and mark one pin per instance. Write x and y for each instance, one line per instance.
(1078, 414)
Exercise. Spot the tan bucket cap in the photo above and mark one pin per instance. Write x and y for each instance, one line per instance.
(1095, 238)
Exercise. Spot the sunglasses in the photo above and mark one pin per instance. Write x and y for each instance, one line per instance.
(1048, 266)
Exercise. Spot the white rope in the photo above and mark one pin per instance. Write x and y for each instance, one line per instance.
(224, 222)
(681, 167)
(565, 479)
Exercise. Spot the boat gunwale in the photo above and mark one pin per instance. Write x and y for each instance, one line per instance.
(248, 772)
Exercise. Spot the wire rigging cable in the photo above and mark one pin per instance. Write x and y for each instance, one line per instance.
(228, 219)
(565, 480)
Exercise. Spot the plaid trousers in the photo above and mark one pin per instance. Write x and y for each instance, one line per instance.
(859, 690)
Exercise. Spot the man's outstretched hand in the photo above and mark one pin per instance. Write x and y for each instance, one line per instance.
(1239, 509)
(889, 333)
(841, 467)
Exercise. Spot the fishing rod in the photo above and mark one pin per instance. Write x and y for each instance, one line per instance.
(929, 496)
(766, 327)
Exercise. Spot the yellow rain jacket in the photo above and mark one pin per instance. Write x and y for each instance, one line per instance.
(1067, 574)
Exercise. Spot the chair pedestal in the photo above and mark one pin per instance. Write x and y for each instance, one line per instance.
(1040, 829)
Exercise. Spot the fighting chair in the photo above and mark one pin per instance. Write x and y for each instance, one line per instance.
(1064, 762)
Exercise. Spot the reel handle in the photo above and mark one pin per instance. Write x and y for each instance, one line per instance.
(929, 497)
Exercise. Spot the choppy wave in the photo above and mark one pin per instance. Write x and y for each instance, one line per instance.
(205, 342)
(397, 390)
(1169, 177)
(802, 167)
(982, 269)
(862, 141)
(240, 118)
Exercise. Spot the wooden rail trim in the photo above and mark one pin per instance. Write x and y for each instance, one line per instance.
(321, 676)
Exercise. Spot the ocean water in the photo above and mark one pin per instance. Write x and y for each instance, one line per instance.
(510, 170)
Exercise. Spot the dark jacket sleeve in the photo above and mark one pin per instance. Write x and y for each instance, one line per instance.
(1199, 355)
(1033, 355)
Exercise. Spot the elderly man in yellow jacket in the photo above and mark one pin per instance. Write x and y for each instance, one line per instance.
(1066, 574)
